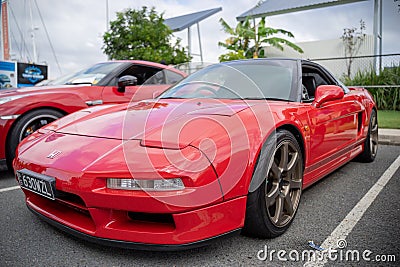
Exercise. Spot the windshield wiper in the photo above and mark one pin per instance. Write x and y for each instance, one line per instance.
(265, 98)
(172, 97)
(78, 83)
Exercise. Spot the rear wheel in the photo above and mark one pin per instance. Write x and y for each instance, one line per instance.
(27, 125)
(272, 207)
(371, 142)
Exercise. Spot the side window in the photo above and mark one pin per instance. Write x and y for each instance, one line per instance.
(311, 79)
(144, 74)
(319, 80)
(157, 78)
(172, 77)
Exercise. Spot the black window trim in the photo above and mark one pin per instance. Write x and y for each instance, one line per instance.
(325, 72)
(108, 79)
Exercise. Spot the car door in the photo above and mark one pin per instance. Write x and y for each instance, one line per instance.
(151, 81)
(334, 125)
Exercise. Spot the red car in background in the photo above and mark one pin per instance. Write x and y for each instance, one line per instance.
(24, 110)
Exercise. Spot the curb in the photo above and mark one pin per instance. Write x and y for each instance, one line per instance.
(389, 137)
(388, 140)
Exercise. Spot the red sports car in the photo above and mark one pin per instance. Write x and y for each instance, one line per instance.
(229, 148)
(23, 111)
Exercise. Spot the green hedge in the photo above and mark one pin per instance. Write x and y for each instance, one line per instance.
(385, 98)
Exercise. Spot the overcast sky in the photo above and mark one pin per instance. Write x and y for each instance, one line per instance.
(76, 27)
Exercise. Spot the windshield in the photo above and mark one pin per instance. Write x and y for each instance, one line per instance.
(252, 79)
(91, 75)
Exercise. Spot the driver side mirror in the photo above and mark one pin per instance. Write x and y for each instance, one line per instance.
(325, 93)
(124, 81)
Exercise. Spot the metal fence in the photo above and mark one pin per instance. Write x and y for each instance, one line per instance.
(387, 97)
(190, 67)
(339, 66)
(386, 94)
(349, 66)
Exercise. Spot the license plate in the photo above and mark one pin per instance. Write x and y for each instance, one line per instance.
(37, 183)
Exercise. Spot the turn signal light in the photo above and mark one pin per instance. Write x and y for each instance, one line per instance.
(146, 185)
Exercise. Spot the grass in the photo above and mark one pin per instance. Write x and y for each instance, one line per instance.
(389, 119)
(385, 98)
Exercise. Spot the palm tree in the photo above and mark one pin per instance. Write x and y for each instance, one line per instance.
(244, 34)
(240, 35)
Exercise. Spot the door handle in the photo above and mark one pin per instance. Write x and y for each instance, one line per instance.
(94, 102)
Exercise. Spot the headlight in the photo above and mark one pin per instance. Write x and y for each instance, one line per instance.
(146, 185)
(10, 98)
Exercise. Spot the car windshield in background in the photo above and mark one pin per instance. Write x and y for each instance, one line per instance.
(260, 79)
(91, 75)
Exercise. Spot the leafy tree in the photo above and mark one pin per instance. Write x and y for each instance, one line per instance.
(142, 34)
(239, 41)
(352, 39)
(248, 40)
(232, 55)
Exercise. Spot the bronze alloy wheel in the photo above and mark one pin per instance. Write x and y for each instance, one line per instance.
(373, 140)
(284, 183)
(276, 186)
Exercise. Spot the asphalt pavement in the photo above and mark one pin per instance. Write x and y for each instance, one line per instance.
(25, 240)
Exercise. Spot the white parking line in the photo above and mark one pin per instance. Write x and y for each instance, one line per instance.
(9, 188)
(352, 218)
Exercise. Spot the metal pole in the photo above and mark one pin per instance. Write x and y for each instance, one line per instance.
(2, 40)
(107, 17)
(189, 43)
(33, 34)
(380, 35)
(107, 24)
(375, 34)
(201, 50)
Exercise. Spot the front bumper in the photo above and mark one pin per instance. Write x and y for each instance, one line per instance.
(116, 228)
(133, 245)
(84, 204)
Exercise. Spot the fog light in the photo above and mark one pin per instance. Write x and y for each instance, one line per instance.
(151, 185)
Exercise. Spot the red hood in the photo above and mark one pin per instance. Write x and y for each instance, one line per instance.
(93, 136)
(194, 134)
(34, 90)
(150, 121)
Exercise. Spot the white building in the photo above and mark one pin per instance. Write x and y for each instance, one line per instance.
(329, 53)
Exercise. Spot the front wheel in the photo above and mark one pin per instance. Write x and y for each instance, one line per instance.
(27, 125)
(272, 207)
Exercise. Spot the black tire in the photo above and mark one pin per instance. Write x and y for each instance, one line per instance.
(275, 179)
(26, 125)
(371, 142)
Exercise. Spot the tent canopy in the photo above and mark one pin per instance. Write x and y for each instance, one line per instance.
(185, 21)
(276, 7)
